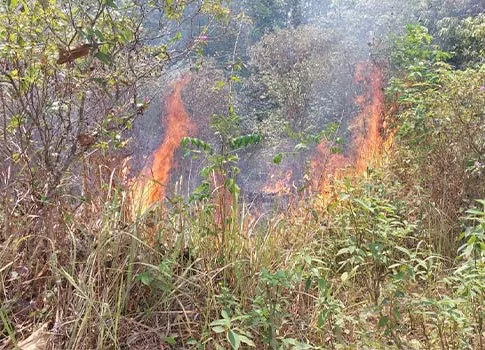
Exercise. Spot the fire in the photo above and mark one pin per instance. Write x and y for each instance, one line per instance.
(328, 165)
(279, 184)
(366, 132)
(367, 140)
(367, 143)
(367, 137)
(152, 183)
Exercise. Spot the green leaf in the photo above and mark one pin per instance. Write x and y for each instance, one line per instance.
(218, 329)
(15, 121)
(245, 141)
(219, 85)
(344, 277)
(99, 35)
(383, 321)
(176, 37)
(365, 205)
(343, 251)
(323, 317)
(468, 251)
(308, 284)
(221, 322)
(475, 212)
(110, 3)
(146, 278)
(170, 340)
(246, 340)
(197, 143)
(277, 159)
(224, 314)
(103, 57)
(300, 147)
(234, 339)
(12, 4)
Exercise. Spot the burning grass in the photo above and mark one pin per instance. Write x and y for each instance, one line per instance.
(366, 130)
(177, 124)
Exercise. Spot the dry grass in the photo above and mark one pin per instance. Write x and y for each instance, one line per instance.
(96, 282)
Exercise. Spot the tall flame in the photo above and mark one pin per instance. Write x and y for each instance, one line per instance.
(152, 183)
(368, 138)
(366, 131)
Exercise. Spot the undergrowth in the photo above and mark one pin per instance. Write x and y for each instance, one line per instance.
(353, 272)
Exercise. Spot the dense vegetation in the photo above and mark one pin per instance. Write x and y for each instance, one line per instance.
(390, 257)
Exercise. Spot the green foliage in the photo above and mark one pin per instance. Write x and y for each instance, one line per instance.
(439, 128)
(197, 144)
(465, 38)
(277, 159)
(422, 66)
(267, 15)
(223, 163)
(306, 141)
(244, 141)
(159, 277)
(234, 335)
(415, 48)
(474, 236)
(375, 240)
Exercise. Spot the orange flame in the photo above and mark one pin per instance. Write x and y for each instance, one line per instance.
(152, 183)
(367, 138)
(366, 132)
